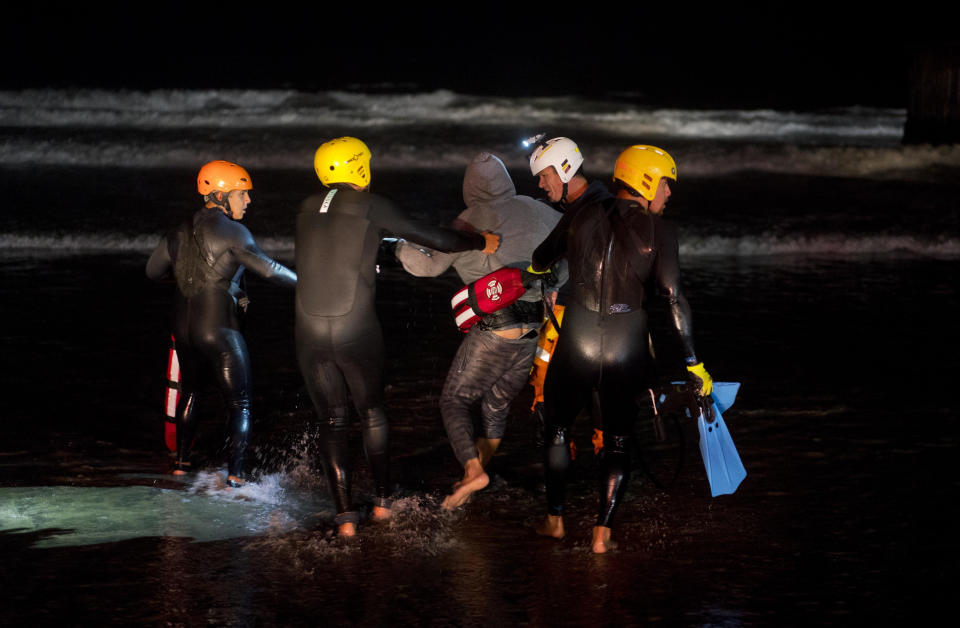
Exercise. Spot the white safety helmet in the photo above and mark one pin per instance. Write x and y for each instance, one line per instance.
(561, 153)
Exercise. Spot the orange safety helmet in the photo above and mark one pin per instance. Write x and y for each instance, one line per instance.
(222, 176)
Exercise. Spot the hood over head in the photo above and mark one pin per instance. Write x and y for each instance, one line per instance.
(486, 180)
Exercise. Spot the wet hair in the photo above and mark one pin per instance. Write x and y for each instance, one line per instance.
(212, 198)
(620, 185)
(340, 185)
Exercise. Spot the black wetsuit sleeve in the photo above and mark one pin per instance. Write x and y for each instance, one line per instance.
(554, 247)
(389, 218)
(254, 259)
(160, 265)
(667, 273)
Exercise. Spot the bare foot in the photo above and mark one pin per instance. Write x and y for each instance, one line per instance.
(601, 542)
(473, 480)
(552, 526)
(347, 529)
(380, 514)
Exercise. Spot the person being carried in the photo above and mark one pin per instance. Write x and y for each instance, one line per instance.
(616, 251)
(339, 339)
(207, 256)
(493, 361)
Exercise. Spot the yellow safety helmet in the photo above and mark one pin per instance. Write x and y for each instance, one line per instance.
(641, 167)
(343, 160)
(222, 176)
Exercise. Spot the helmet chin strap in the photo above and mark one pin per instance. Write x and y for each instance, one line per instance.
(563, 197)
(221, 202)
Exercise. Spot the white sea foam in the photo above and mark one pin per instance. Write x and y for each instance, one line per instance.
(889, 162)
(280, 128)
(826, 245)
(691, 245)
(283, 108)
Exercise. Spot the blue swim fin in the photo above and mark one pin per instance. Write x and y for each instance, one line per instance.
(724, 394)
(720, 458)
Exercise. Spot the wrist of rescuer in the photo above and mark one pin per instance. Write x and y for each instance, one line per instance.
(531, 277)
(700, 378)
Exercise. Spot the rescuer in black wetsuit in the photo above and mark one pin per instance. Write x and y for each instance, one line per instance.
(615, 250)
(558, 165)
(339, 341)
(207, 255)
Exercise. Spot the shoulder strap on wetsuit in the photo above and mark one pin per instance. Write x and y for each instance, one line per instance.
(543, 299)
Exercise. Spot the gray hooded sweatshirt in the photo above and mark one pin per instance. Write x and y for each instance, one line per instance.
(492, 205)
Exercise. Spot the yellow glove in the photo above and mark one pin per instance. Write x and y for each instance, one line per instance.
(700, 379)
(531, 274)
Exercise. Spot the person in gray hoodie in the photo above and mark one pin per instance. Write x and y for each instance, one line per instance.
(493, 361)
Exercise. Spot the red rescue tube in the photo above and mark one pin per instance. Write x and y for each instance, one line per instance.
(486, 295)
(172, 397)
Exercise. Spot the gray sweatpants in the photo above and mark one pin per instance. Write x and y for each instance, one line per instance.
(492, 370)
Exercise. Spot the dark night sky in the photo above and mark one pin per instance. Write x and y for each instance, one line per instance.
(731, 56)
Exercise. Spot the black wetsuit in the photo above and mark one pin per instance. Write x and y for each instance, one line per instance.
(596, 192)
(339, 341)
(207, 255)
(615, 249)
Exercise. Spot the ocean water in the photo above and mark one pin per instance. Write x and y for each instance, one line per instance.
(820, 258)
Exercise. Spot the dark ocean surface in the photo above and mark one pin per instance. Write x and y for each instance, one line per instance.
(820, 259)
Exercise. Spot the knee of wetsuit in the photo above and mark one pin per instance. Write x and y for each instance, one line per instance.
(615, 444)
(240, 403)
(336, 422)
(538, 424)
(557, 452)
(240, 417)
(373, 418)
(376, 437)
(555, 435)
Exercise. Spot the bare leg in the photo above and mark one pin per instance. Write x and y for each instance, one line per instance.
(181, 467)
(601, 542)
(486, 447)
(381, 514)
(552, 526)
(473, 480)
